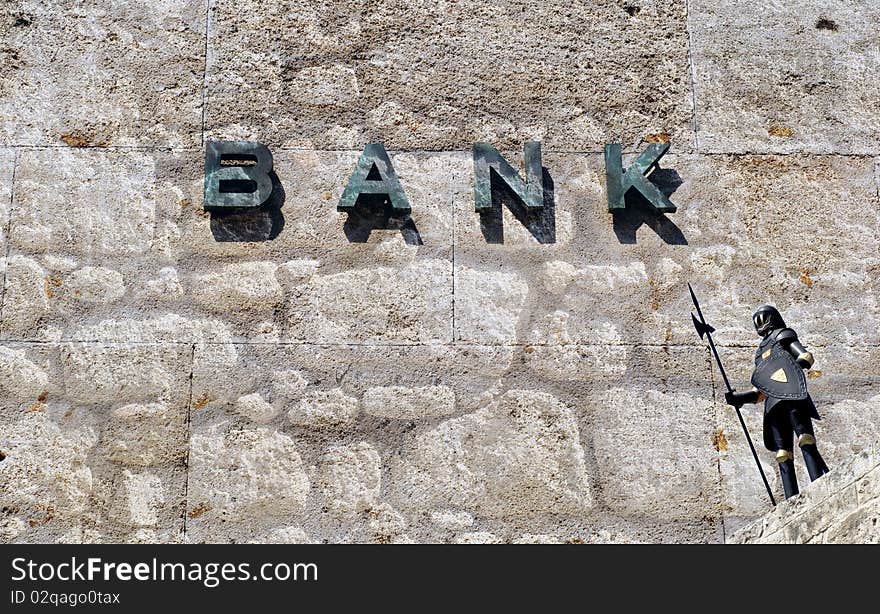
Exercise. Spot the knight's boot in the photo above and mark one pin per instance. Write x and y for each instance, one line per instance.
(786, 472)
(816, 466)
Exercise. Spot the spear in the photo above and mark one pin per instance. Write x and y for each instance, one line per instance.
(703, 329)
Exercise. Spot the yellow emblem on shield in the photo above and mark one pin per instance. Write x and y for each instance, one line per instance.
(779, 376)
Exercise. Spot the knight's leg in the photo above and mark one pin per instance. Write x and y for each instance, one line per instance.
(803, 426)
(786, 472)
(783, 437)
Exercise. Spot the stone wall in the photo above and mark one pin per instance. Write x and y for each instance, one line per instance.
(841, 508)
(465, 381)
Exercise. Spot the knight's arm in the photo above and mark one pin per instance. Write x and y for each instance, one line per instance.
(788, 339)
(738, 399)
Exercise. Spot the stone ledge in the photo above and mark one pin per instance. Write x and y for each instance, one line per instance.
(841, 507)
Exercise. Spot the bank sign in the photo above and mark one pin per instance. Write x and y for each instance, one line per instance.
(238, 176)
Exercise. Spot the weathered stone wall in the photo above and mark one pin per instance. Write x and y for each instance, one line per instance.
(457, 382)
(841, 508)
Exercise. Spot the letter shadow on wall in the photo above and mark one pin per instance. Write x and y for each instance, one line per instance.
(541, 223)
(251, 224)
(639, 211)
(374, 212)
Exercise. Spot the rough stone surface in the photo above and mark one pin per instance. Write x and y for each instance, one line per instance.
(243, 475)
(143, 495)
(96, 285)
(98, 74)
(251, 287)
(399, 403)
(20, 379)
(534, 464)
(333, 75)
(26, 294)
(325, 408)
(298, 374)
(7, 172)
(91, 450)
(789, 76)
(349, 478)
(145, 434)
(253, 407)
(842, 507)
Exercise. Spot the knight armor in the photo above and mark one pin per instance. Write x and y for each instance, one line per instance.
(778, 374)
(779, 381)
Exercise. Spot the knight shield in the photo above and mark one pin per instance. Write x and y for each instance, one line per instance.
(779, 376)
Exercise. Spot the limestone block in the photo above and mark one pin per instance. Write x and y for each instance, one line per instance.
(519, 456)
(163, 223)
(802, 66)
(7, 167)
(97, 222)
(115, 373)
(857, 527)
(349, 478)
(285, 535)
(452, 519)
(400, 402)
(60, 474)
(45, 478)
(165, 286)
(96, 285)
(411, 303)
(69, 201)
(242, 476)
(325, 409)
(477, 537)
(86, 75)
(146, 434)
(438, 76)
(143, 496)
(255, 408)
(246, 286)
(649, 462)
(576, 362)
(792, 231)
(26, 299)
(488, 305)
(20, 379)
